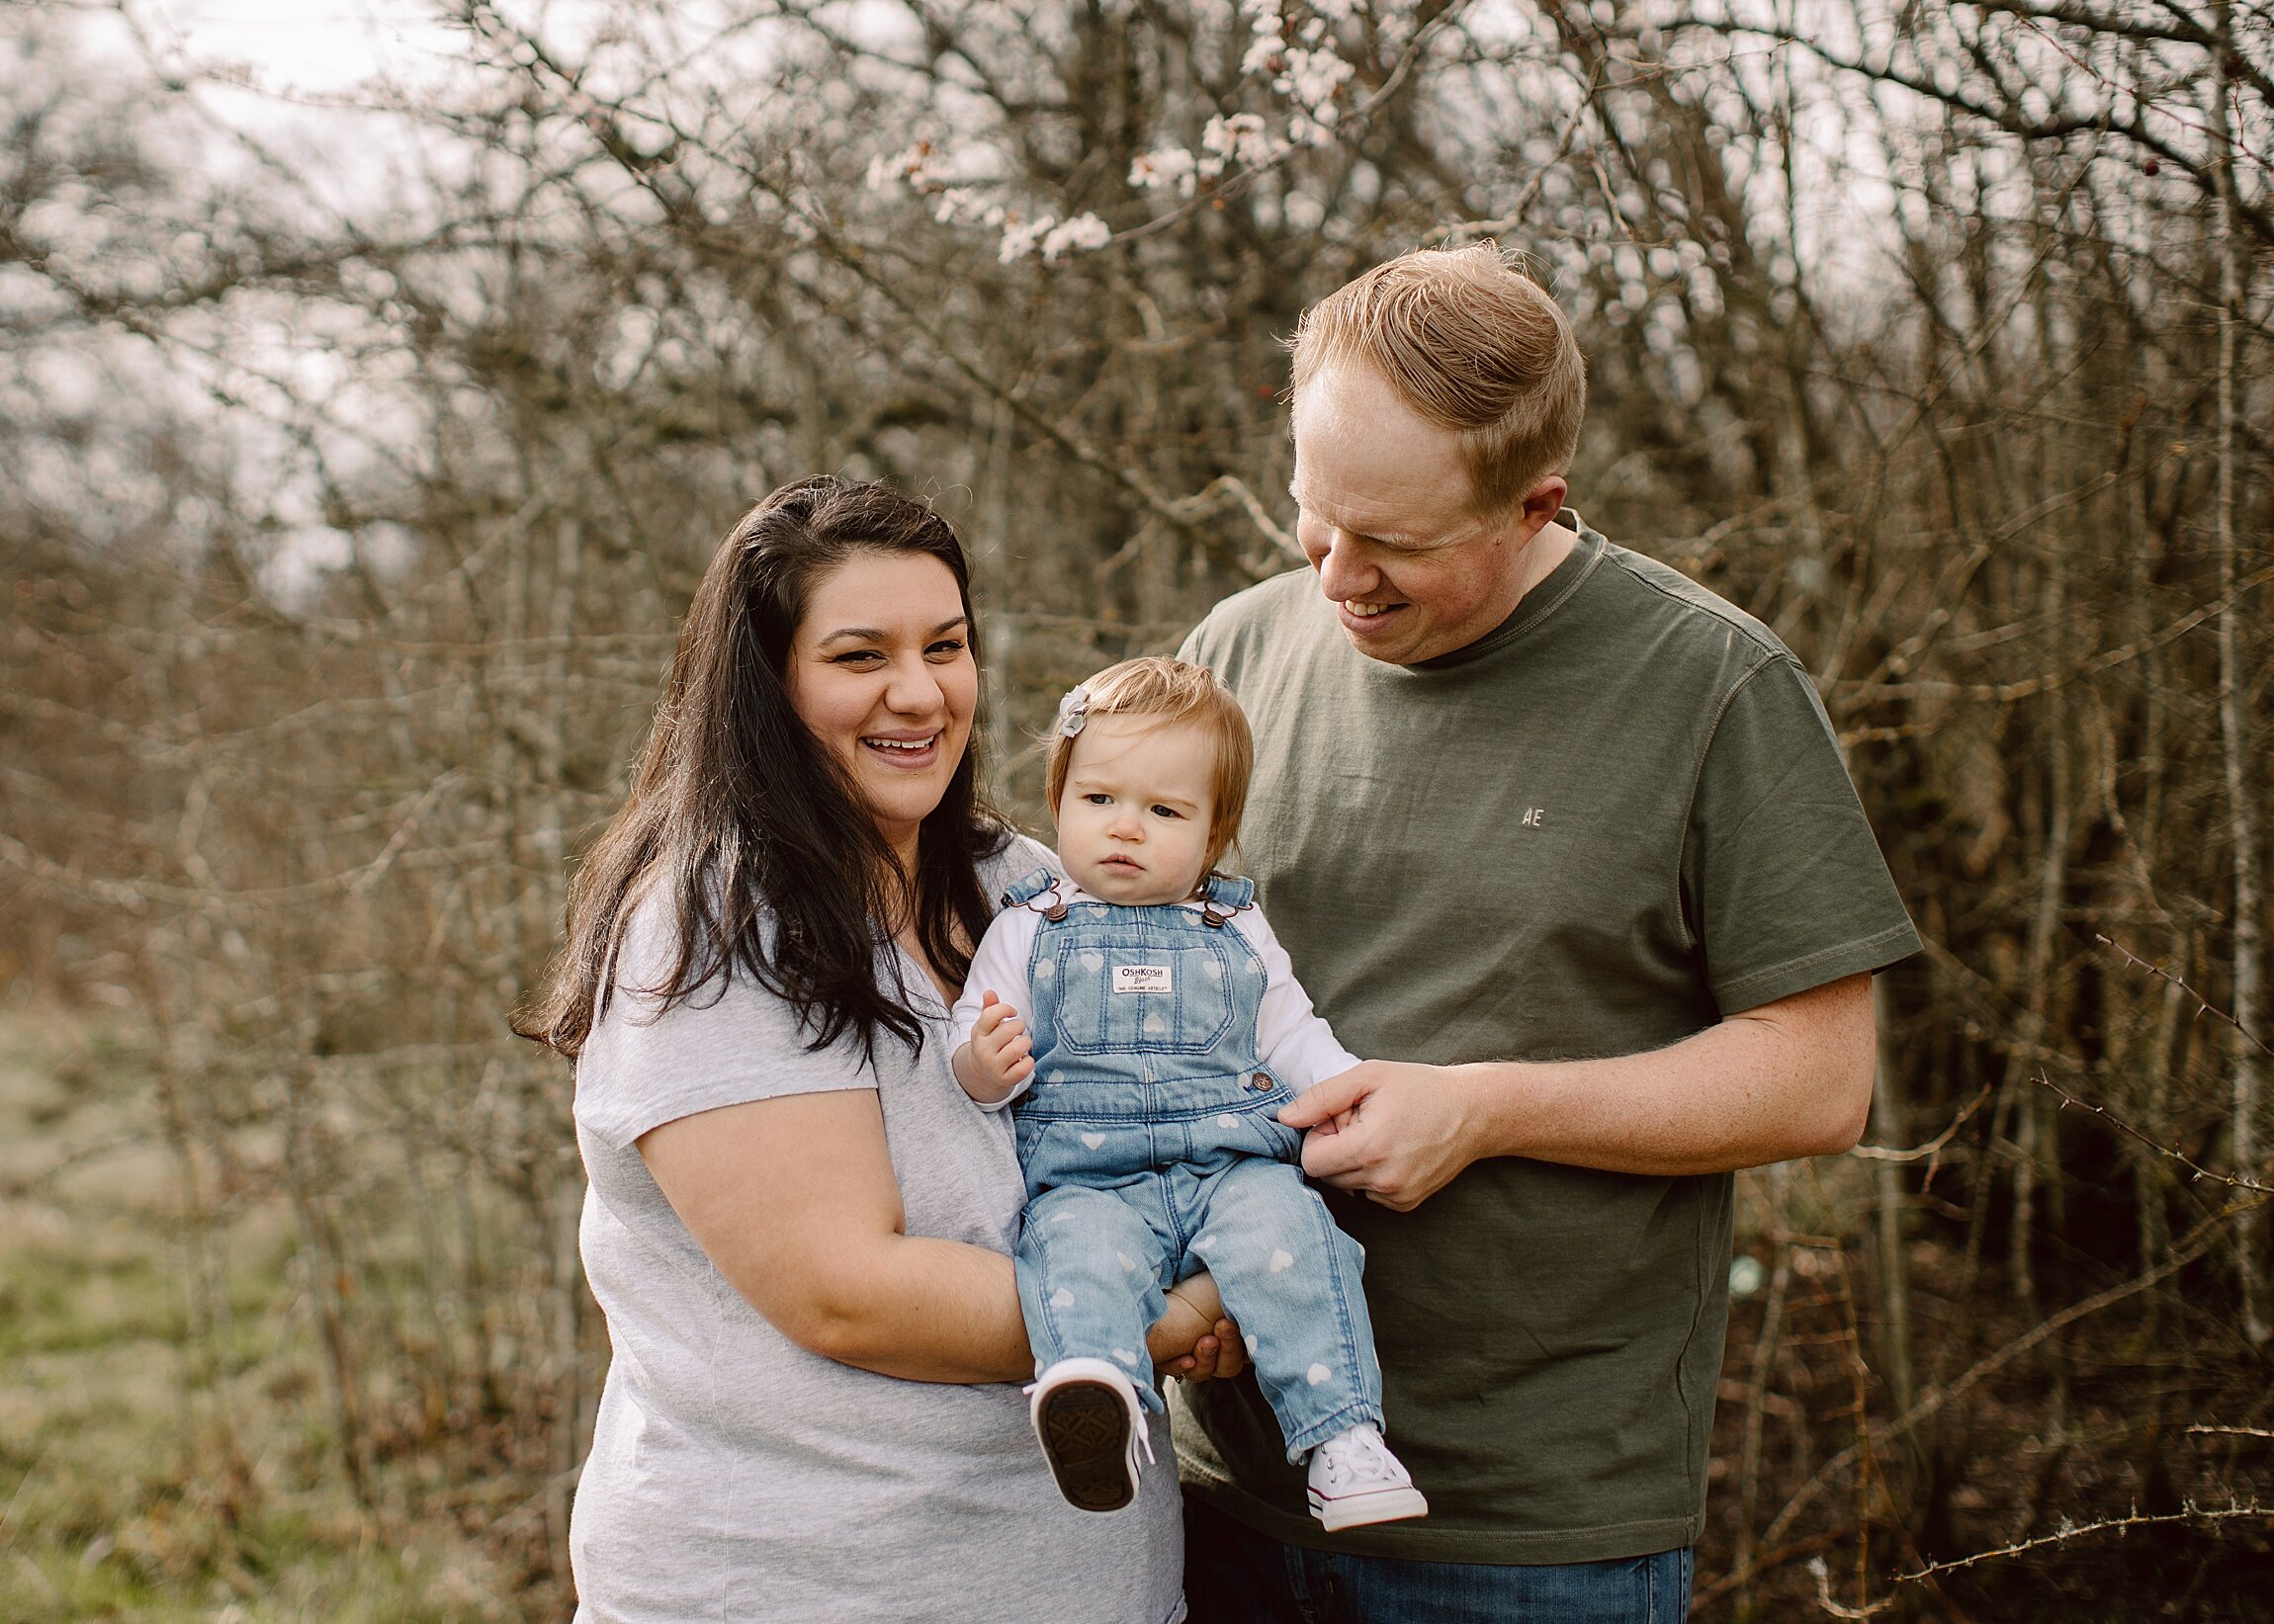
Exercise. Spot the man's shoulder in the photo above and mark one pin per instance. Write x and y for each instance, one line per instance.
(1662, 601)
(1242, 624)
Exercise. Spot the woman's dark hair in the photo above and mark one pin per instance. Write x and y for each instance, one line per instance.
(742, 813)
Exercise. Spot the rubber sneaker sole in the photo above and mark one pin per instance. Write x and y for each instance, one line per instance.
(1357, 1511)
(1084, 1431)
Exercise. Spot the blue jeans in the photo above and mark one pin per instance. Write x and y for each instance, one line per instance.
(1236, 1575)
(1092, 1264)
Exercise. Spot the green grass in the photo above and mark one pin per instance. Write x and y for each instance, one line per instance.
(152, 1470)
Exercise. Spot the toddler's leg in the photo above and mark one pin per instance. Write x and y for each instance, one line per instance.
(1089, 1272)
(1291, 1278)
(1089, 1268)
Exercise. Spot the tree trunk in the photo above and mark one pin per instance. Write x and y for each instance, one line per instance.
(2233, 724)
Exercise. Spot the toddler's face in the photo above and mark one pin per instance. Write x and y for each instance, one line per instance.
(1134, 819)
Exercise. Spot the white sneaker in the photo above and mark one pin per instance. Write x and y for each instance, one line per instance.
(1355, 1479)
(1087, 1414)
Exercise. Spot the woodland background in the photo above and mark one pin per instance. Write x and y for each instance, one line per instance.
(346, 516)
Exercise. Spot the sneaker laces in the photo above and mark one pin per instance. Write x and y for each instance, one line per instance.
(1353, 1461)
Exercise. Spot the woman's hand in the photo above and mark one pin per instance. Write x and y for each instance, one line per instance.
(1192, 1339)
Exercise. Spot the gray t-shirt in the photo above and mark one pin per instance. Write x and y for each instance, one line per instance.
(736, 1475)
(1597, 830)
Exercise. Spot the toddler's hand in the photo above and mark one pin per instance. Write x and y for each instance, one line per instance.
(1001, 1046)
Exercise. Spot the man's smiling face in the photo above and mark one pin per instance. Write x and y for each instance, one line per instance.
(1387, 520)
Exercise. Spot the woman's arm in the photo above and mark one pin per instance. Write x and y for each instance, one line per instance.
(794, 1201)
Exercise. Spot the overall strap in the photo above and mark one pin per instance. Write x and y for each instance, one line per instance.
(1040, 890)
(1224, 895)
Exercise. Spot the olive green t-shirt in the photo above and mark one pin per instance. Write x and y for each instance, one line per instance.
(1617, 817)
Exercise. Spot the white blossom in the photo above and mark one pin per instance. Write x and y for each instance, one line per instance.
(1265, 51)
(1312, 77)
(1163, 168)
(1240, 138)
(1019, 235)
(1083, 231)
(919, 165)
(1223, 134)
(963, 203)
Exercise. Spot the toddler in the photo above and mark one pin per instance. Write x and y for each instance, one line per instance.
(1146, 1024)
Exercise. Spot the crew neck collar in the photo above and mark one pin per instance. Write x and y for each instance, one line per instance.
(1546, 596)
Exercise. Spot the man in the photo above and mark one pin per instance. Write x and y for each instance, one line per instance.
(1570, 838)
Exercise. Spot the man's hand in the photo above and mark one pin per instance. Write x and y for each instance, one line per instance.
(1000, 1056)
(1396, 1133)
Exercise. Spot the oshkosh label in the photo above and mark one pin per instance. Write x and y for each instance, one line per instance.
(1141, 979)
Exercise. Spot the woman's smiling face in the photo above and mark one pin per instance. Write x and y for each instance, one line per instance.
(881, 673)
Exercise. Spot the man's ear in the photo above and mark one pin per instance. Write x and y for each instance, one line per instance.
(1541, 504)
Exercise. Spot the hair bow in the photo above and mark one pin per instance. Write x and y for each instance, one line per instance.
(1073, 710)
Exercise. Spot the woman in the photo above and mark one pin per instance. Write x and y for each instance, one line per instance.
(791, 1201)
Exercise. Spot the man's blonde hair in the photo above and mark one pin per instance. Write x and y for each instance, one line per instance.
(1174, 690)
(1471, 344)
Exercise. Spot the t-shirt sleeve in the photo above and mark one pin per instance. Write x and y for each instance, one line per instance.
(1296, 1044)
(1782, 879)
(999, 967)
(732, 1042)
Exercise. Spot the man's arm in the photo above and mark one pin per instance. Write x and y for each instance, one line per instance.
(1789, 1079)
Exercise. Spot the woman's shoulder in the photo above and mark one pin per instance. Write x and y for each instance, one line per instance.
(728, 1041)
(647, 940)
(654, 917)
(1017, 857)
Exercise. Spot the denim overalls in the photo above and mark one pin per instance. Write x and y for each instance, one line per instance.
(1151, 1147)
